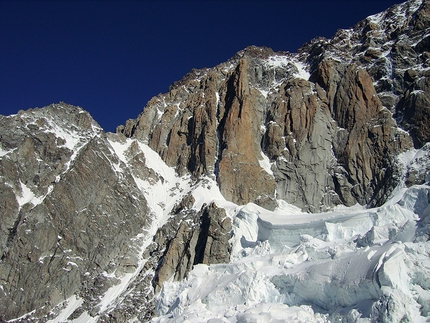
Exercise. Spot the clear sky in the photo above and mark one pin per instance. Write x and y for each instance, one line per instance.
(111, 57)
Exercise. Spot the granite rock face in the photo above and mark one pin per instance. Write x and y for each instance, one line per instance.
(316, 129)
(76, 222)
(204, 240)
(67, 216)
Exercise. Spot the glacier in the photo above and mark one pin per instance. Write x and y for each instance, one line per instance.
(350, 265)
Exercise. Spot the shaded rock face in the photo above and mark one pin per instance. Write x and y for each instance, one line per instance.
(315, 129)
(367, 137)
(414, 107)
(393, 47)
(199, 238)
(67, 217)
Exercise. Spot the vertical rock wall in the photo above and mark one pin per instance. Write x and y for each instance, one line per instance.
(266, 133)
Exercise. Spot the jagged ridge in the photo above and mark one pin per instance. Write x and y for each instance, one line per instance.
(267, 125)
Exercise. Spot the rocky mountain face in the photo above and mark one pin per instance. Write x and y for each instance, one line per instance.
(63, 207)
(103, 220)
(76, 218)
(316, 129)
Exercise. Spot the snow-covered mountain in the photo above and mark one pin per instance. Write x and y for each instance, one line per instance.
(274, 187)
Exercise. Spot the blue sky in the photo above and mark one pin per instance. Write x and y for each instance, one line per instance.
(111, 57)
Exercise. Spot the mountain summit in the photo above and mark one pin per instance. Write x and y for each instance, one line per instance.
(273, 187)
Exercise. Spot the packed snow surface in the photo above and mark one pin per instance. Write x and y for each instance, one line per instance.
(298, 68)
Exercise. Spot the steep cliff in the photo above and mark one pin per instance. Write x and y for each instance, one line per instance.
(315, 129)
(68, 216)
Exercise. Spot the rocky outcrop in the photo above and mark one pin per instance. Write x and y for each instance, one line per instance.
(68, 218)
(205, 125)
(240, 176)
(307, 128)
(199, 238)
(367, 138)
(414, 106)
(299, 140)
(393, 47)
